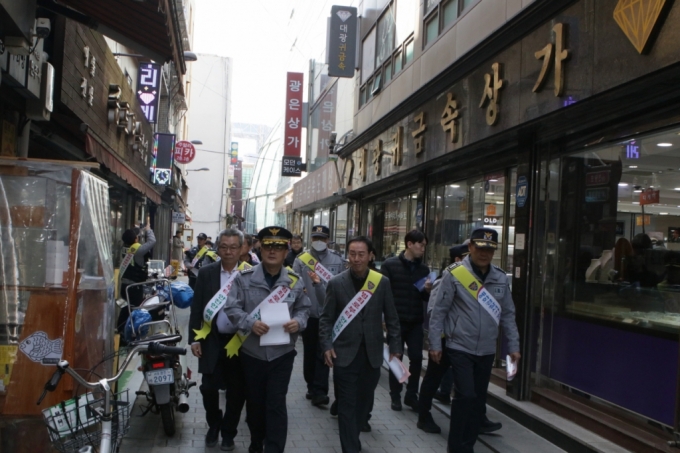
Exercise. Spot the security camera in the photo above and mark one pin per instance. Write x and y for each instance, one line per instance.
(331, 142)
(42, 27)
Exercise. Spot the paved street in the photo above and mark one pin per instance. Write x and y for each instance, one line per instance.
(312, 429)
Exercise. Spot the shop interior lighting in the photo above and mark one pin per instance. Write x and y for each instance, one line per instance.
(677, 188)
(663, 213)
(623, 184)
(664, 144)
(454, 186)
(632, 166)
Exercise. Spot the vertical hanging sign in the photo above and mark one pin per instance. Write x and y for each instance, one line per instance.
(148, 88)
(293, 121)
(342, 41)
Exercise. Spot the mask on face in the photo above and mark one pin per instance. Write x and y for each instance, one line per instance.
(319, 246)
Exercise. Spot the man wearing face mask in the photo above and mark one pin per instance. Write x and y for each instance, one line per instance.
(316, 266)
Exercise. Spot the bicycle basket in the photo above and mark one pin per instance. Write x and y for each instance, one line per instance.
(75, 423)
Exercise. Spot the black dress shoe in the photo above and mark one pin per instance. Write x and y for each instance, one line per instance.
(255, 447)
(487, 426)
(334, 408)
(442, 397)
(411, 400)
(396, 403)
(365, 428)
(320, 400)
(212, 436)
(227, 444)
(309, 396)
(428, 425)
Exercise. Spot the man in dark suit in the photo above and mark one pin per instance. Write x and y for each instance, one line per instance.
(351, 334)
(209, 332)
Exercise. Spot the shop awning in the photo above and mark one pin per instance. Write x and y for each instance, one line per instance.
(120, 168)
(151, 28)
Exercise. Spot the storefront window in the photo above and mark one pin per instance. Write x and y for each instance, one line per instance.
(620, 232)
(399, 220)
(457, 208)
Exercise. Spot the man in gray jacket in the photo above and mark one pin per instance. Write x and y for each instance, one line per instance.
(351, 334)
(472, 301)
(267, 368)
(316, 267)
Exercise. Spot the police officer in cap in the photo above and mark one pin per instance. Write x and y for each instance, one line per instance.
(194, 258)
(474, 296)
(317, 266)
(267, 369)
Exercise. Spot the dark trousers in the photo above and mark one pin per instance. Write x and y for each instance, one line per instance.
(412, 335)
(228, 373)
(471, 374)
(314, 368)
(192, 280)
(266, 389)
(433, 376)
(355, 388)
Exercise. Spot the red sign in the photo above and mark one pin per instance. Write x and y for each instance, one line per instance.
(649, 196)
(293, 117)
(184, 152)
(599, 178)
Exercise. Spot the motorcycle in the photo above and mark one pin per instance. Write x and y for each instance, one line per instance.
(165, 374)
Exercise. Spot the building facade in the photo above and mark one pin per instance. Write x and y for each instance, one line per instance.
(554, 123)
(211, 124)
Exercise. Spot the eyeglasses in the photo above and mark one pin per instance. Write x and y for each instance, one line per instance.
(233, 248)
(274, 247)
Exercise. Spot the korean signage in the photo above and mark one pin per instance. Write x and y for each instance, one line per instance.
(178, 217)
(649, 196)
(293, 116)
(342, 41)
(148, 89)
(598, 178)
(292, 166)
(162, 155)
(233, 153)
(184, 152)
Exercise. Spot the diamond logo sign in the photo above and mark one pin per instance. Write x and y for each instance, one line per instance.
(344, 15)
(637, 19)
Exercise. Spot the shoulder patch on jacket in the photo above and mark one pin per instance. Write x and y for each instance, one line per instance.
(452, 266)
(292, 272)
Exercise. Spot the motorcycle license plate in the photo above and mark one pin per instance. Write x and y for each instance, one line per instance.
(159, 377)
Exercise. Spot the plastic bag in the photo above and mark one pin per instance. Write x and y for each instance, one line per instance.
(182, 294)
(136, 319)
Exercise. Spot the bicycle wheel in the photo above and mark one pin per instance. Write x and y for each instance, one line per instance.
(168, 418)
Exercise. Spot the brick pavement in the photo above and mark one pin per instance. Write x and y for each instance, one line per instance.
(312, 429)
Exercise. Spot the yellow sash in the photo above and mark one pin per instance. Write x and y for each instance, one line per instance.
(477, 290)
(276, 296)
(357, 303)
(211, 310)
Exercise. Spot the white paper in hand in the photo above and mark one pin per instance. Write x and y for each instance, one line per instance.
(396, 366)
(510, 368)
(275, 316)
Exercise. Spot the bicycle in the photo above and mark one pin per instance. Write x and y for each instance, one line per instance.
(76, 428)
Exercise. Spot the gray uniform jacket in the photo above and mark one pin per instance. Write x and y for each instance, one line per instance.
(366, 327)
(467, 326)
(248, 290)
(317, 293)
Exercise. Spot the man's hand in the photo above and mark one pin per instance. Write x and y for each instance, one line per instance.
(328, 357)
(315, 278)
(196, 350)
(515, 356)
(393, 356)
(260, 328)
(291, 326)
(436, 356)
(428, 286)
